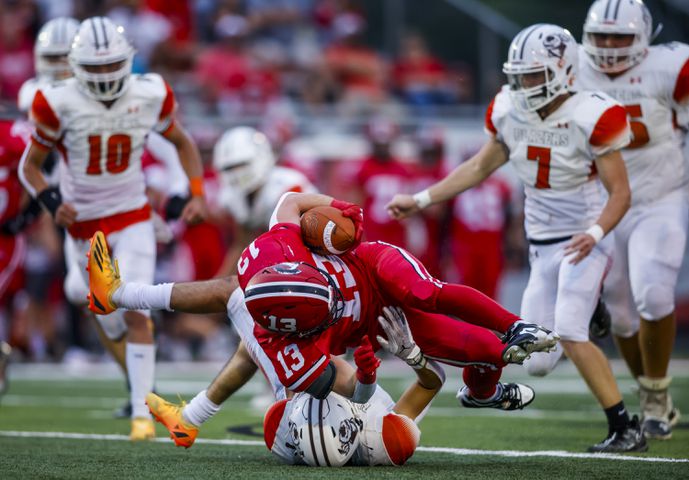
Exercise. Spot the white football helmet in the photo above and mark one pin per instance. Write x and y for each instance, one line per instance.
(243, 157)
(52, 46)
(325, 431)
(101, 58)
(617, 17)
(540, 48)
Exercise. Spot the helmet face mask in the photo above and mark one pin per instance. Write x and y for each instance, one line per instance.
(101, 58)
(244, 158)
(106, 81)
(294, 299)
(616, 40)
(541, 66)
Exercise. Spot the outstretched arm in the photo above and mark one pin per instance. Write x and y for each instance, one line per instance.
(470, 173)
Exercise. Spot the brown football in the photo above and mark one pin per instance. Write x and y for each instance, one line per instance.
(326, 231)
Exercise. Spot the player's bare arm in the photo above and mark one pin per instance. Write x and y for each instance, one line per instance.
(33, 180)
(469, 174)
(613, 175)
(292, 205)
(196, 210)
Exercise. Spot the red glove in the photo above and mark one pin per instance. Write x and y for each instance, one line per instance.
(366, 362)
(353, 212)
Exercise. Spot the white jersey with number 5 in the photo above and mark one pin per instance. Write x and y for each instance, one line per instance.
(554, 158)
(101, 145)
(655, 94)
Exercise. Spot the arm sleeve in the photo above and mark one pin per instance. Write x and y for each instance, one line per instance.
(611, 131)
(46, 122)
(323, 384)
(681, 92)
(166, 117)
(488, 124)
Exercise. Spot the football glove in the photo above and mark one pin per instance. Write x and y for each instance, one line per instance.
(400, 341)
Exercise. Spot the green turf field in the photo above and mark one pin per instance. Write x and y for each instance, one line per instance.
(547, 440)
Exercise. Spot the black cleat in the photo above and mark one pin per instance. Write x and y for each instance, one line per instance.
(630, 439)
(599, 325)
(522, 339)
(514, 396)
(124, 412)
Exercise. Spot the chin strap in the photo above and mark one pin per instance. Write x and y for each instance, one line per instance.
(656, 32)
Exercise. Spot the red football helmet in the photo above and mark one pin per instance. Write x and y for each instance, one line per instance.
(293, 298)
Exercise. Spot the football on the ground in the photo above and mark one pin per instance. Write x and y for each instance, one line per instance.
(326, 231)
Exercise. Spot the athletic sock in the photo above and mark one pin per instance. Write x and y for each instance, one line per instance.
(200, 409)
(474, 307)
(140, 358)
(138, 296)
(618, 417)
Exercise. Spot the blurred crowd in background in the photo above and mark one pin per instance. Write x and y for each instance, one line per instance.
(360, 125)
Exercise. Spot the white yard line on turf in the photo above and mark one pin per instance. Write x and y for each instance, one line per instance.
(453, 451)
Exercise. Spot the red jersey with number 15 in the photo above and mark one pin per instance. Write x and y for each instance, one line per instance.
(298, 361)
(101, 145)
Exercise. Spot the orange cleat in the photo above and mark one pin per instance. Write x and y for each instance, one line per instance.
(104, 278)
(170, 415)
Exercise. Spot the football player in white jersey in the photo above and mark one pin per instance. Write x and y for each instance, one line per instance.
(53, 43)
(652, 82)
(560, 142)
(251, 185)
(335, 431)
(99, 121)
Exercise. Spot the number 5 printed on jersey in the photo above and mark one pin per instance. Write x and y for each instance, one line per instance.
(639, 130)
(118, 149)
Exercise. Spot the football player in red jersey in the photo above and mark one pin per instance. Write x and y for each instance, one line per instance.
(306, 307)
(99, 120)
(15, 214)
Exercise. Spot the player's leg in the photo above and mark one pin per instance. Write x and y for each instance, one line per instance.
(476, 349)
(656, 249)
(404, 280)
(578, 290)
(183, 421)
(617, 294)
(107, 291)
(135, 246)
(538, 303)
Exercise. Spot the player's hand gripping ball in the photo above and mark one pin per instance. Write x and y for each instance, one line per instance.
(326, 231)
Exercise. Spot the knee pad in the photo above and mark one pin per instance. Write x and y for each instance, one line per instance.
(541, 364)
(656, 301)
(113, 325)
(76, 288)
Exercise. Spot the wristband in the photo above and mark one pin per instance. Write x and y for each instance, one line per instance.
(50, 199)
(596, 231)
(416, 359)
(422, 199)
(196, 187)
